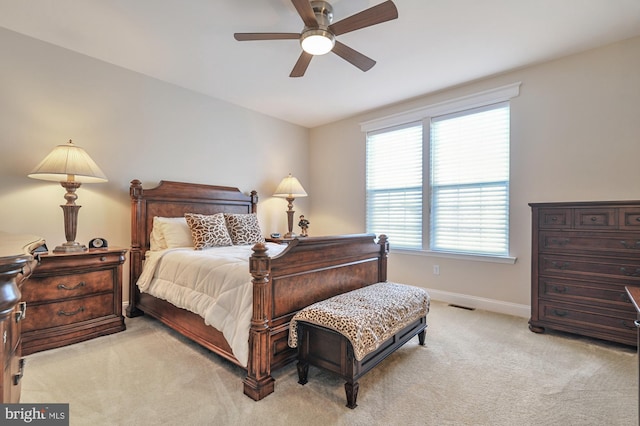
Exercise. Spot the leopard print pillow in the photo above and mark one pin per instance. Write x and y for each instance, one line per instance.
(208, 230)
(244, 228)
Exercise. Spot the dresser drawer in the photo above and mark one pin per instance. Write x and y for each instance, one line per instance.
(629, 218)
(590, 241)
(592, 319)
(554, 218)
(70, 311)
(63, 286)
(595, 293)
(586, 266)
(595, 218)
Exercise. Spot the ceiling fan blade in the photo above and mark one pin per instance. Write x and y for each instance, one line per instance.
(354, 57)
(301, 66)
(374, 15)
(306, 12)
(266, 36)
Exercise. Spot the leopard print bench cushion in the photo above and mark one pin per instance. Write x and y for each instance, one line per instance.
(367, 316)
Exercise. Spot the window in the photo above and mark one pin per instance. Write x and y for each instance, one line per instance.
(394, 184)
(437, 178)
(470, 182)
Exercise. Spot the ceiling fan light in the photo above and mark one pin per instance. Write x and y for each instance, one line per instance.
(317, 42)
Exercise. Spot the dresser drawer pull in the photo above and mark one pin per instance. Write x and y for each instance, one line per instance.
(18, 377)
(630, 327)
(75, 287)
(559, 289)
(635, 273)
(562, 266)
(630, 246)
(560, 313)
(593, 218)
(22, 311)
(560, 242)
(70, 314)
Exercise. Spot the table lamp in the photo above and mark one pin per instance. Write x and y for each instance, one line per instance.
(71, 166)
(290, 189)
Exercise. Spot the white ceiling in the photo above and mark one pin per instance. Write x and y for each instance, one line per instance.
(434, 44)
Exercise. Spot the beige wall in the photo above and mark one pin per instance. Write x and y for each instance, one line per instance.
(575, 136)
(134, 127)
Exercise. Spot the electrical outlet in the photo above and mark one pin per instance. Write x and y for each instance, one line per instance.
(436, 269)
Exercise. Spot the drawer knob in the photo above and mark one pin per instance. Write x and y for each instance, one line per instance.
(560, 313)
(593, 218)
(75, 287)
(560, 289)
(70, 314)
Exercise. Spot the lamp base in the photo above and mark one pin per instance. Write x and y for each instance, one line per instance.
(289, 236)
(70, 247)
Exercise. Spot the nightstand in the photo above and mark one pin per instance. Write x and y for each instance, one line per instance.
(73, 297)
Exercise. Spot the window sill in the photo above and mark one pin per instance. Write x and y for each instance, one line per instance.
(473, 257)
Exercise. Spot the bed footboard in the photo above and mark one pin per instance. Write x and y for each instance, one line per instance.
(307, 271)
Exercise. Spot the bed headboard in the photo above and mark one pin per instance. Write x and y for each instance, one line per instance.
(174, 199)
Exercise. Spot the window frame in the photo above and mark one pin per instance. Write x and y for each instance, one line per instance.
(425, 114)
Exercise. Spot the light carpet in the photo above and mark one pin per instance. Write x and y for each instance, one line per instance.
(477, 368)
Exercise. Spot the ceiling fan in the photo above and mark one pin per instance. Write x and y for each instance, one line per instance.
(319, 33)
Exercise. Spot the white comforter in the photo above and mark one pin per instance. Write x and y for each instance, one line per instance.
(214, 283)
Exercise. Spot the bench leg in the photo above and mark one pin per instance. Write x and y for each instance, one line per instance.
(351, 390)
(421, 337)
(303, 371)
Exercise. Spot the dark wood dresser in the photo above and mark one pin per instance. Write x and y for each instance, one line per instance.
(16, 264)
(583, 256)
(73, 297)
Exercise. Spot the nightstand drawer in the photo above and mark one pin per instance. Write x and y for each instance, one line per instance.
(64, 286)
(71, 311)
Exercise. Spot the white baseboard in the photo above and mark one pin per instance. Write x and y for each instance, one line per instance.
(481, 303)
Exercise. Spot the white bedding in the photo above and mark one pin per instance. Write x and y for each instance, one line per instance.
(214, 283)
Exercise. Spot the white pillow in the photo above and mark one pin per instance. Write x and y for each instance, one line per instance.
(170, 232)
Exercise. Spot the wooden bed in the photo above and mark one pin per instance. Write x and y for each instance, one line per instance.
(308, 270)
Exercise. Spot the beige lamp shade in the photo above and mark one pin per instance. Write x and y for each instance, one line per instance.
(290, 187)
(68, 163)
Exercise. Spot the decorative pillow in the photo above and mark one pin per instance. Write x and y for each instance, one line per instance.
(244, 228)
(208, 230)
(170, 232)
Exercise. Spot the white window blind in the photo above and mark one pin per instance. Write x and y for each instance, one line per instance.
(470, 181)
(394, 185)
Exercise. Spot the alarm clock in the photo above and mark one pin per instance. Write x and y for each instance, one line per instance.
(98, 243)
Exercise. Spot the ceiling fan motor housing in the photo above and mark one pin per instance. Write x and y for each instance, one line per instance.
(319, 40)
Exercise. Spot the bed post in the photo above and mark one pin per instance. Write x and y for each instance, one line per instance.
(259, 382)
(135, 253)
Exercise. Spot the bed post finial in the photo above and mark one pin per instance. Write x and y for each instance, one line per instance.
(135, 190)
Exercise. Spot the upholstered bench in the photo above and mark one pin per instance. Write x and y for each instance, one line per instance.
(351, 333)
